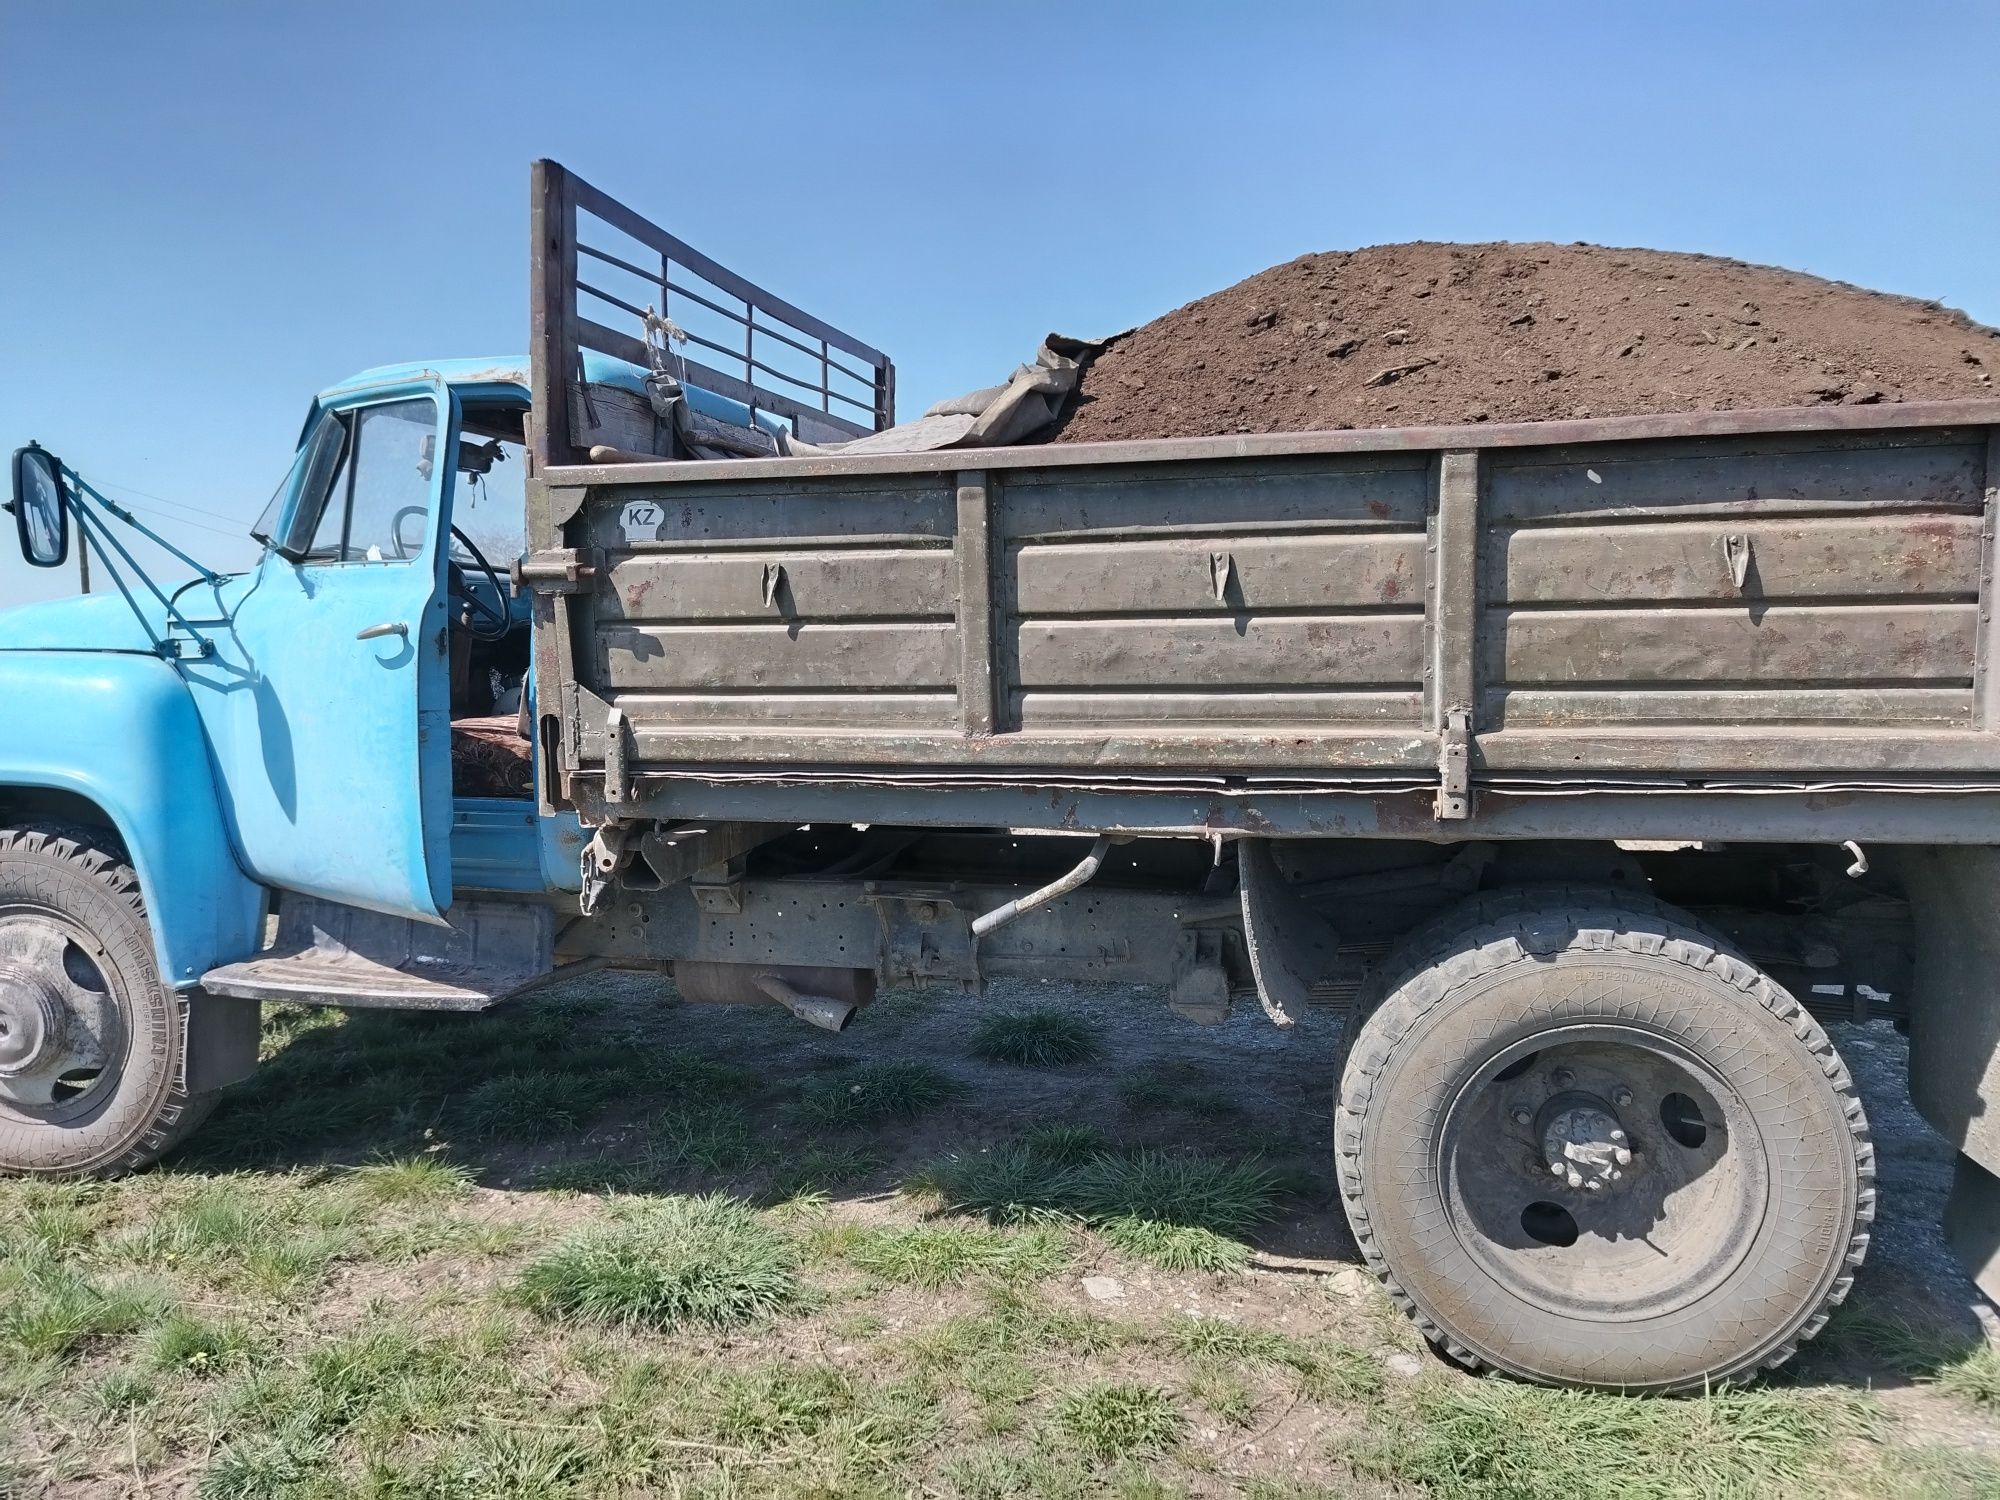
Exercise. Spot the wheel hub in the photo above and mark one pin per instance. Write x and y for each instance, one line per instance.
(1583, 1142)
(59, 1024)
(1573, 1179)
(31, 1020)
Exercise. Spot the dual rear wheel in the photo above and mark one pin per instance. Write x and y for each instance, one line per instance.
(1591, 1144)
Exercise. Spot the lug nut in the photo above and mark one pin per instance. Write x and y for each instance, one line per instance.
(1622, 1097)
(1562, 1078)
(1592, 1184)
(1623, 1156)
(1618, 1136)
(1557, 1169)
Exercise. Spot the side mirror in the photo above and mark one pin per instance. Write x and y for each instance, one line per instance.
(40, 506)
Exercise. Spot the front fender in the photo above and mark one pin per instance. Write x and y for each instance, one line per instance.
(121, 730)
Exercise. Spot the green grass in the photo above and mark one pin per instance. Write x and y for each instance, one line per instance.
(704, 1138)
(1174, 1088)
(1015, 1321)
(1036, 1038)
(168, 1332)
(412, 1179)
(1963, 1364)
(818, 1170)
(1113, 1420)
(385, 1081)
(776, 1403)
(1495, 1440)
(1178, 1211)
(52, 1310)
(872, 1095)
(1321, 1370)
(1065, 1145)
(937, 1255)
(1174, 1247)
(531, 1106)
(182, 1343)
(1218, 1386)
(600, 1173)
(663, 1264)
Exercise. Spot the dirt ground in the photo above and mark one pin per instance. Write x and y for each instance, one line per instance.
(327, 1291)
(1421, 334)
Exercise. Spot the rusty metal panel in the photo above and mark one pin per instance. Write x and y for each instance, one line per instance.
(745, 610)
(1779, 582)
(1359, 492)
(1054, 709)
(911, 512)
(1863, 644)
(1530, 707)
(1807, 597)
(1218, 574)
(1672, 561)
(779, 584)
(1940, 471)
(1243, 650)
(779, 712)
(781, 655)
(1214, 599)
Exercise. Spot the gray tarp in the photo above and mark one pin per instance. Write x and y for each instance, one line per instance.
(1023, 410)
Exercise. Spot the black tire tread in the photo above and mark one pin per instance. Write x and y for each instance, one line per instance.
(1418, 947)
(1643, 925)
(94, 854)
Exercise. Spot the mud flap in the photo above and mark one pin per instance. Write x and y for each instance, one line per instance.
(1972, 1223)
(223, 1034)
(1291, 946)
(1954, 898)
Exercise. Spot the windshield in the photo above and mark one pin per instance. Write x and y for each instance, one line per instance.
(320, 444)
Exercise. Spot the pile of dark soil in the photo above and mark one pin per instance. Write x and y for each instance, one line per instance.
(1420, 334)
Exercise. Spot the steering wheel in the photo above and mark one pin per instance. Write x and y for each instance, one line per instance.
(486, 621)
(406, 549)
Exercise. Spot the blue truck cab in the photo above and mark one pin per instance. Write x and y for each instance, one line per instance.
(284, 729)
(342, 731)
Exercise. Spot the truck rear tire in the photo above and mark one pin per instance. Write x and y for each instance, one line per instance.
(1592, 1146)
(91, 1067)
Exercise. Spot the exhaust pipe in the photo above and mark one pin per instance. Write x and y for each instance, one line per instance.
(823, 1011)
(1086, 868)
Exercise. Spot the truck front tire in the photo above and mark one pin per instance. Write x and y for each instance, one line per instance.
(91, 1043)
(1594, 1146)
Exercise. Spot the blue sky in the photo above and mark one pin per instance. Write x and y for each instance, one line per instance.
(215, 209)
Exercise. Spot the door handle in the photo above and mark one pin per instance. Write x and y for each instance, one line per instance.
(376, 632)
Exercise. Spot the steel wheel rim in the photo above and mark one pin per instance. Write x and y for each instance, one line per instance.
(63, 1038)
(1682, 1216)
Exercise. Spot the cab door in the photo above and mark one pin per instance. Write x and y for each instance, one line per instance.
(328, 697)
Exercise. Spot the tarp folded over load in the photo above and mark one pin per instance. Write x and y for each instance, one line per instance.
(1026, 409)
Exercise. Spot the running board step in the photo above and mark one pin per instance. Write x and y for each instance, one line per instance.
(328, 954)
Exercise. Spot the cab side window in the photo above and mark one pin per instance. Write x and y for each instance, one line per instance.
(378, 504)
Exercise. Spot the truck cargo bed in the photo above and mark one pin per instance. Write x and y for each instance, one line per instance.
(1797, 594)
(1401, 627)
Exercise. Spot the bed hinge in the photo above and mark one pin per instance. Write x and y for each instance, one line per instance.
(563, 570)
(1454, 795)
(617, 773)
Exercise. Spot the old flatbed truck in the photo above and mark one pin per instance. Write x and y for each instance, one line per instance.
(1572, 766)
